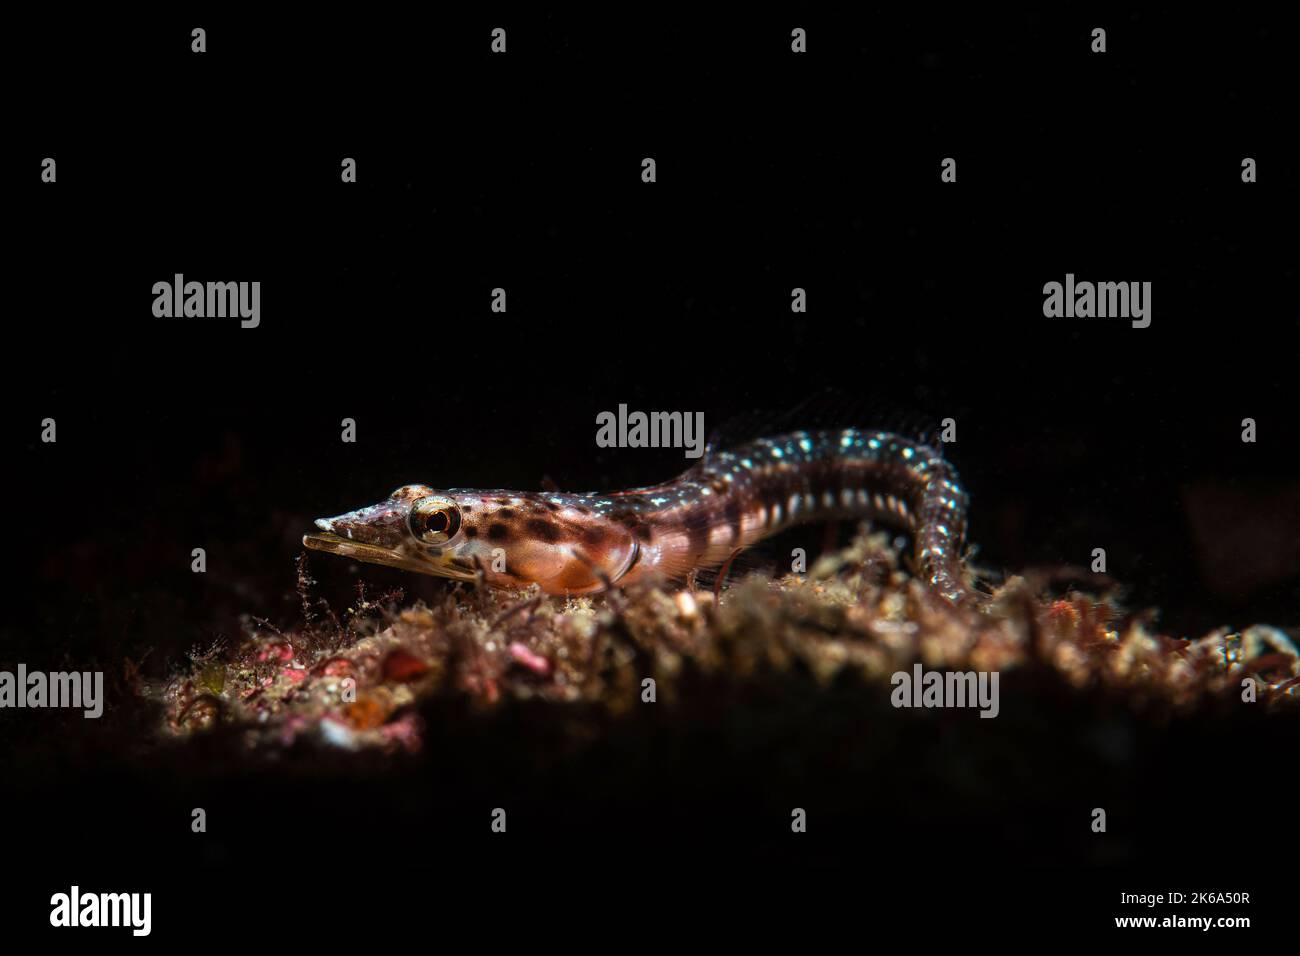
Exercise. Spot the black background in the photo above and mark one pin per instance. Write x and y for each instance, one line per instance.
(523, 171)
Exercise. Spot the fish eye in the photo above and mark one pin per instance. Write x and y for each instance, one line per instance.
(435, 520)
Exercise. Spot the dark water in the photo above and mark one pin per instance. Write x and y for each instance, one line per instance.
(522, 172)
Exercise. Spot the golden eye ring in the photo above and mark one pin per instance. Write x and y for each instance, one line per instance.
(434, 520)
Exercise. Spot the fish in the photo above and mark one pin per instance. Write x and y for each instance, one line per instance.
(583, 543)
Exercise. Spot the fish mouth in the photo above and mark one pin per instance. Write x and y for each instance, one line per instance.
(332, 543)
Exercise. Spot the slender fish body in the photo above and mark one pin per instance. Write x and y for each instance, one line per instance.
(581, 543)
